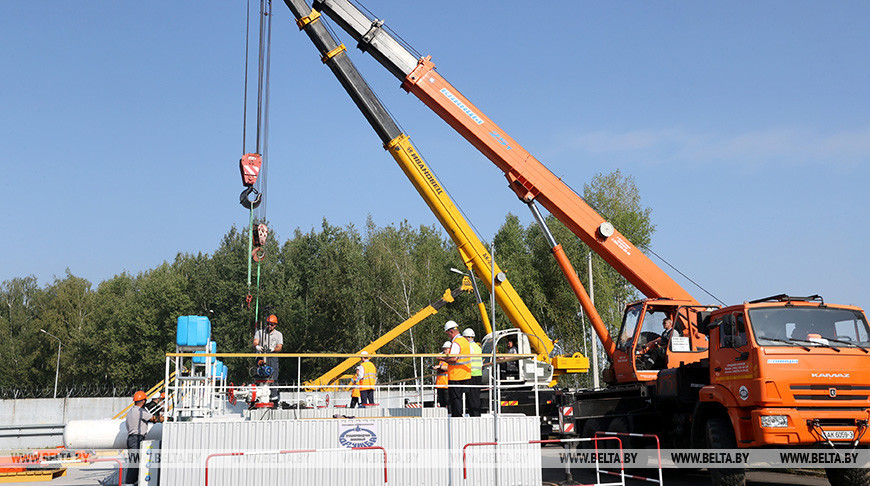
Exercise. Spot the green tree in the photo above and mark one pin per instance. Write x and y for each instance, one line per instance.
(21, 340)
(67, 309)
(407, 269)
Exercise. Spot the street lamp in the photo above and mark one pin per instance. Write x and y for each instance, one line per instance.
(480, 306)
(57, 366)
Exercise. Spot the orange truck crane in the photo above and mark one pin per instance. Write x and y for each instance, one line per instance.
(775, 372)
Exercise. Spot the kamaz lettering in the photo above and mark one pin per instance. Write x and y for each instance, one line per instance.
(462, 106)
(830, 375)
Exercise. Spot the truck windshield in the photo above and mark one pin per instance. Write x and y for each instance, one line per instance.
(797, 326)
(629, 324)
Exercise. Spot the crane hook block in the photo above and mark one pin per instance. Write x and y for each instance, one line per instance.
(250, 165)
(244, 198)
(261, 235)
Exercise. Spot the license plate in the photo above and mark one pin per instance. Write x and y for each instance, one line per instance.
(839, 434)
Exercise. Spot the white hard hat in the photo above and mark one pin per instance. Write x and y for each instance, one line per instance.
(364, 353)
(450, 325)
(447, 344)
(468, 332)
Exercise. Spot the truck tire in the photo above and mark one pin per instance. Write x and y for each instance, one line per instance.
(593, 425)
(848, 476)
(720, 435)
(619, 424)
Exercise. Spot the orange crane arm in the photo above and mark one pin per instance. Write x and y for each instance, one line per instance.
(532, 181)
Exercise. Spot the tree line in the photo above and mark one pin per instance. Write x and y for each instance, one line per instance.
(334, 289)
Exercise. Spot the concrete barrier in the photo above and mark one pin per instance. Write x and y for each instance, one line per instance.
(33, 423)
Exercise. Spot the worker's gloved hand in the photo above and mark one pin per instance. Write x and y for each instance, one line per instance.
(259, 348)
(272, 349)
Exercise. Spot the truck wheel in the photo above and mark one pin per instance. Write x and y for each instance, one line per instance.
(593, 425)
(848, 476)
(720, 435)
(620, 425)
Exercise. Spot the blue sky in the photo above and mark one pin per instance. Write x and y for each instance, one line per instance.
(746, 126)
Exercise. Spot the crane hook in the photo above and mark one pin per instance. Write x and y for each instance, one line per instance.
(246, 202)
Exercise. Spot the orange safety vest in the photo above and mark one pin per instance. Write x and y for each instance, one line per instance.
(461, 369)
(354, 392)
(441, 381)
(369, 377)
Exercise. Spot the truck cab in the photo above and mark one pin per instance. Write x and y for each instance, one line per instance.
(791, 371)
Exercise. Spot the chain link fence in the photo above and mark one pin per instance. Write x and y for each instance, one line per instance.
(71, 391)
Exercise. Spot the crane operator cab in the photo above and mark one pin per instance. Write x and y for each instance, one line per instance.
(510, 370)
(657, 334)
(654, 341)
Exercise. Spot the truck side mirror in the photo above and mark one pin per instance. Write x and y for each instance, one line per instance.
(704, 322)
(726, 331)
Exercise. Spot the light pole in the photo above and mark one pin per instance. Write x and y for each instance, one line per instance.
(486, 324)
(57, 366)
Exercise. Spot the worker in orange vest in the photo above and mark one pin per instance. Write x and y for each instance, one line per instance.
(441, 380)
(354, 392)
(458, 368)
(367, 376)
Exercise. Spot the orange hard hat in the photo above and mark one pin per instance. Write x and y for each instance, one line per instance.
(273, 318)
(139, 395)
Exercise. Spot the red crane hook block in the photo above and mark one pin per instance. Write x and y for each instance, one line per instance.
(249, 165)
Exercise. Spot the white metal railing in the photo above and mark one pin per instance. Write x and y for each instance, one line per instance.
(196, 391)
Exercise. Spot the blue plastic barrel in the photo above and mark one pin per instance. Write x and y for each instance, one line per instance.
(193, 331)
(212, 349)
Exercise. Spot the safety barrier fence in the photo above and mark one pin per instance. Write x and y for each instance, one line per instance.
(594, 440)
(293, 451)
(31, 430)
(638, 436)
